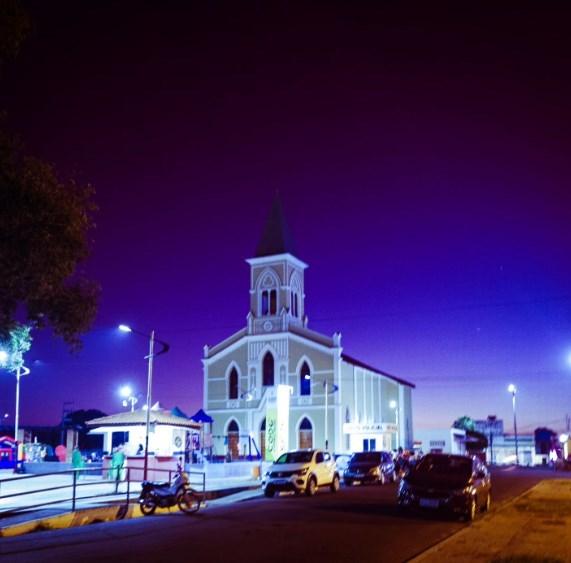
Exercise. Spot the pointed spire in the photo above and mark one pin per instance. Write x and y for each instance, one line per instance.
(276, 238)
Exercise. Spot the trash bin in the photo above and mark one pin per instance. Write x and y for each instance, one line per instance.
(256, 472)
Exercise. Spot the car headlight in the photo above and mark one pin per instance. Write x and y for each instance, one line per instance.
(374, 471)
(301, 471)
(461, 492)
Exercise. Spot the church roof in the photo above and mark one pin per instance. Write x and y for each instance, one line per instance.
(276, 238)
(357, 363)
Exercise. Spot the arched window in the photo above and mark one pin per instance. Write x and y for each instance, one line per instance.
(305, 380)
(265, 303)
(268, 370)
(273, 302)
(269, 302)
(233, 384)
(294, 296)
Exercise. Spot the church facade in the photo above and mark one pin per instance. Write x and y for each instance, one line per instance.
(276, 385)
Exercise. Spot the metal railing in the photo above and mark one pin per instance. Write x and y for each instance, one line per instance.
(116, 481)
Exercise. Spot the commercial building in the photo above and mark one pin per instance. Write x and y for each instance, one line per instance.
(440, 440)
(277, 385)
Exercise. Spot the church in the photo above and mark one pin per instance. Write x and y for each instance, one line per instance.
(276, 385)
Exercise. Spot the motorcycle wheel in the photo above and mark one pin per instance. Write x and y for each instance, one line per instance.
(147, 506)
(188, 502)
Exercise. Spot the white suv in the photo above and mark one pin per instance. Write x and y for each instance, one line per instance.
(301, 471)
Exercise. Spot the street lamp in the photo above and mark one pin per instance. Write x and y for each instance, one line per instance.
(394, 405)
(247, 395)
(150, 357)
(129, 397)
(512, 390)
(20, 370)
(327, 386)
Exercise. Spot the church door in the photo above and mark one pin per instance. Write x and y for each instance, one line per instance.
(233, 439)
(305, 434)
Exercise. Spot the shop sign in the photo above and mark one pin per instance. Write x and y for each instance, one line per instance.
(370, 428)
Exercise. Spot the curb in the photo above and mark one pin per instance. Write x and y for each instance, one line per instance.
(81, 517)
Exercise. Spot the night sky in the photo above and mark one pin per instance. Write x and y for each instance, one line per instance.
(421, 155)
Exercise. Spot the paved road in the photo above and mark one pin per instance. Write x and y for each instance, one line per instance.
(357, 524)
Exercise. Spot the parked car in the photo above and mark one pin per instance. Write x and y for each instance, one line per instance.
(455, 484)
(370, 467)
(301, 471)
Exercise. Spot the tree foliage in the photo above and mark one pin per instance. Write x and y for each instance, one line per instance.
(14, 26)
(44, 230)
(475, 441)
(44, 235)
(78, 418)
(464, 423)
(16, 345)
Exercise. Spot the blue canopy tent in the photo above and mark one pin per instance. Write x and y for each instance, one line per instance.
(201, 416)
(177, 412)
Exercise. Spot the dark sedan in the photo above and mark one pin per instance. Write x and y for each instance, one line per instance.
(370, 467)
(456, 484)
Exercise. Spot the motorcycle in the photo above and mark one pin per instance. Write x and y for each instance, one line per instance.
(165, 495)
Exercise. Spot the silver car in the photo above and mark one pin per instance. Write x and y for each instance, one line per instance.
(301, 471)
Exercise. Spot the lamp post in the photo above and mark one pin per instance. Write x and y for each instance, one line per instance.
(512, 390)
(333, 389)
(20, 371)
(129, 397)
(394, 405)
(150, 357)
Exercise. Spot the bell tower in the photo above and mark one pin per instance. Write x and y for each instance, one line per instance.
(277, 296)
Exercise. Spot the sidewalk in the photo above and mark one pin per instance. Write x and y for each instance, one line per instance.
(535, 527)
(100, 509)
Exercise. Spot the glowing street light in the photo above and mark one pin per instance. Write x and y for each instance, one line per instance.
(512, 390)
(394, 405)
(129, 397)
(150, 357)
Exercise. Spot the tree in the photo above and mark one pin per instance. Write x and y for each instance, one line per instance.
(77, 420)
(44, 226)
(15, 346)
(464, 423)
(44, 230)
(475, 441)
(544, 440)
(14, 26)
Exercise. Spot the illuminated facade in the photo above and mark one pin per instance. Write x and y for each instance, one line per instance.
(280, 385)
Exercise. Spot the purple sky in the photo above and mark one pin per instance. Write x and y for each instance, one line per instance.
(421, 156)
